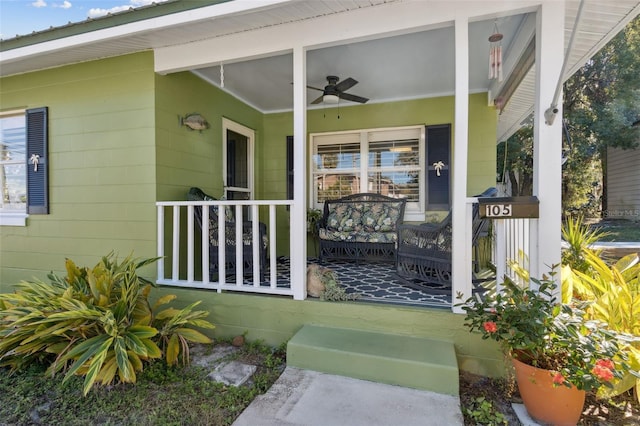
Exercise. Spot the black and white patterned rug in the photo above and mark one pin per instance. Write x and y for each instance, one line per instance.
(375, 282)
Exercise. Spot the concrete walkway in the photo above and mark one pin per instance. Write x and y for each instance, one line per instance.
(303, 397)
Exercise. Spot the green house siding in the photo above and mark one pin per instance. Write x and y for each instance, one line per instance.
(187, 158)
(102, 162)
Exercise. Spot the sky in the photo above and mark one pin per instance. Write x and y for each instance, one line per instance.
(25, 16)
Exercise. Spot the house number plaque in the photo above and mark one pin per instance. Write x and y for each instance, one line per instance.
(509, 207)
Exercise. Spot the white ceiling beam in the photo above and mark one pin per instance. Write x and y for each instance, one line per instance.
(357, 25)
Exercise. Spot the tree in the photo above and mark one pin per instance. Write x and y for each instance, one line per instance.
(601, 106)
(517, 167)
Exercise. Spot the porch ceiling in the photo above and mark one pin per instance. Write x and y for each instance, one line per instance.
(398, 66)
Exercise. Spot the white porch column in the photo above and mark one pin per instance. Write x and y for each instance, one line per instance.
(298, 223)
(461, 244)
(547, 140)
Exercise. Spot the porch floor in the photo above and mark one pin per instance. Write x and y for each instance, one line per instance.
(375, 282)
(378, 282)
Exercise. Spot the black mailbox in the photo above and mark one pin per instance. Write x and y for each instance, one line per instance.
(509, 207)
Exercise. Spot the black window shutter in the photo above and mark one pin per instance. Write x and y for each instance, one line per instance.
(289, 167)
(438, 166)
(37, 161)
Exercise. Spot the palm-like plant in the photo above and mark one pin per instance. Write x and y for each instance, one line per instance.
(579, 237)
(94, 322)
(613, 293)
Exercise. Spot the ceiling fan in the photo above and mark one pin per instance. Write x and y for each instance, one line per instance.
(335, 91)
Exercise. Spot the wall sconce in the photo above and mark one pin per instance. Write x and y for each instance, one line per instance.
(194, 121)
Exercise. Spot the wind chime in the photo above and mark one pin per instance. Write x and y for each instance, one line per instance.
(495, 54)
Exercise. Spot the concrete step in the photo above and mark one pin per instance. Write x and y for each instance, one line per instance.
(412, 362)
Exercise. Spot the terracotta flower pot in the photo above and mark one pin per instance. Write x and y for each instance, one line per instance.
(556, 405)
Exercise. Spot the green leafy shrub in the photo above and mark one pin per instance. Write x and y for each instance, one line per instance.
(613, 297)
(95, 322)
(531, 326)
(482, 412)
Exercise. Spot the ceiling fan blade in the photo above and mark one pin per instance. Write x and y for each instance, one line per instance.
(345, 84)
(353, 98)
(315, 88)
(319, 100)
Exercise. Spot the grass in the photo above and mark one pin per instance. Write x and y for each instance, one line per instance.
(162, 395)
(619, 230)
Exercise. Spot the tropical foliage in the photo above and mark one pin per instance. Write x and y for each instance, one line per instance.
(95, 322)
(610, 292)
(613, 294)
(579, 237)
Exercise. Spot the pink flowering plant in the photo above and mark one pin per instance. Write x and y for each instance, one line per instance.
(533, 328)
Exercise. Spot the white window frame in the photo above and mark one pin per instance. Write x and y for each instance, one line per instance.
(14, 217)
(414, 211)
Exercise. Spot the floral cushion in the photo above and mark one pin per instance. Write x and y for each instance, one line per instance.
(358, 236)
(363, 216)
(381, 217)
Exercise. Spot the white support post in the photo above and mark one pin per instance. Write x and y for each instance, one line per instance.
(190, 243)
(298, 225)
(273, 270)
(257, 242)
(175, 250)
(547, 139)
(461, 241)
(500, 230)
(205, 244)
(160, 230)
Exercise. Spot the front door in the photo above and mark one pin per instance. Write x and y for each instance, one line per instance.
(238, 165)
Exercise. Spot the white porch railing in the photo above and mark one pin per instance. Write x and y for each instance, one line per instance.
(511, 243)
(184, 258)
(177, 263)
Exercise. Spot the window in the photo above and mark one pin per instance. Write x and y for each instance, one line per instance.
(384, 161)
(23, 165)
(13, 170)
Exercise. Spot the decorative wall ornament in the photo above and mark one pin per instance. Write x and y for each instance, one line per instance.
(194, 121)
(439, 165)
(495, 54)
(35, 159)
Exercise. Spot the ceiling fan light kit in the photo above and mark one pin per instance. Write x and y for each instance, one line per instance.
(330, 99)
(335, 90)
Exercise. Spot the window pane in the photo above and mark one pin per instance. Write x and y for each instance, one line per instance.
(394, 153)
(396, 184)
(14, 187)
(13, 176)
(237, 160)
(331, 186)
(337, 157)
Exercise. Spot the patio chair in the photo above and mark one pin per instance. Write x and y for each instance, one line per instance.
(424, 250)
(196, 194)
